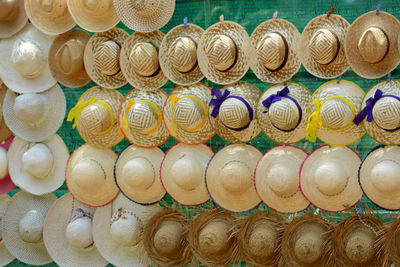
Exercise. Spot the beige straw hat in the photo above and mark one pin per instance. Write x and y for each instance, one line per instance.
(22, 227)
(5, 255)
(182, 173)
(230, 177)
(371, 44)
(12, 17)
(392, 242)
(5, 132)
(137, 174)
(6, 184)
(90, 175)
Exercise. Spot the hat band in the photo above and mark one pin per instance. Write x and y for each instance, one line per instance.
(80, 213)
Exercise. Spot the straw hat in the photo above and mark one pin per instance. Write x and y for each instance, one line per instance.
(182, 173)
(328, 178)
(139, 60)
(22, 227)
(89, 175)
(232, 112)
(66, 58)
(230, 175)
(12, 17)
(185, 114)
(96, 117)
(282, 112)
(5, 133)
(392, 242)
(331, 110)
(137, 174)
(371, 44)
(118, 231)
(178, 54)
(273, 51)
(5, 255)
(6, 184)
(322, 46)
(140, 118)
(276, 179)
(35, 117)
(24, 66)
(223, 52)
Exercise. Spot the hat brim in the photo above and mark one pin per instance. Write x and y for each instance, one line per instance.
(6, 184)
(5, 256)
(5, 132)
(9, 28)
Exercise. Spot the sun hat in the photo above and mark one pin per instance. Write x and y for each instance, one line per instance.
(182, 173)
(232, 112)
(22, 227)
(282, 112)
(137, 174)
(12, 17)
(6, 184)
(230, 177)
(140, 118)
(5, 255)
(5, 132)
(371, 44)
(35, 117)
(276, 179)
(89, 175)
(96, 117)
(391, 242)
(66, 58)
(186, 116)
(223, 52)
(332, 108)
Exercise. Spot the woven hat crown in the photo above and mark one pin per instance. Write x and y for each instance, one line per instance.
(53, 8)
(214, 237)
(88, 174)
(187, 173)
(79, 233)
(324, 46)
(373, 45)
(283, 178)
(386, 113)
(146, 8)
(183, 54)
(222, 52)
(142, 117)
(236, 176)
(308, 247)
(188, 113)
(31, 226)
(8, 9)
(336, 114)
(360, 246)
(272, 51)
(331, 177)
(125, 230)
(3, 164)
(38, 161)
(263, 240)
(386, 177)
(69, 56)
(31, 108)
(168, 238)
(138, 173)
(284, 114)
(28, 58)
(94, 119)
(234, 113)
(96, 7)
(144, 59)
(106, 58)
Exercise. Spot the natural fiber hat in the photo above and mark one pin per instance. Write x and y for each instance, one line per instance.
(22, 227)
(24, 66)
(89, 175)
(273, 51)
(230, 176)
(186, 116)
(5, 132)
(371, 44)
(223, 52)
(66, 58)
(328, 178)
(178, 54)
(392, 242)
(102, 58)
(232, 112)
(35, 117)
(322, 46)
(12, 17)
(96, 117)
(137, 174)
(5, 255)
(140, 118)
(276, 179)
(6, 184)
(139, 60)
(332, 108)
(182, 173)
(282, 112)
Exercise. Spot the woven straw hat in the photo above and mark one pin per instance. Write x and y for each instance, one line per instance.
(282, 112)
(137, 174)
(276, 179)
(186, 116)
(274, 57)
(232, 112)
(223, 52)
(12, 17)
(5, 133)
(24, 66)
(89, 175)
(182, 173)
(331, 110)
(140, 60)
(68, 234)
(322, 46)
(6, 184)
(5, 255)
(66, 58)
(96, 117)
(35, 117)
(140, 118)
(371, 44)
(328, 178)
(22, 227)
(230, 177)
(391, 239)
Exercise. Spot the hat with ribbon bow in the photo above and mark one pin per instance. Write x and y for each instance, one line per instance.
(12, 17)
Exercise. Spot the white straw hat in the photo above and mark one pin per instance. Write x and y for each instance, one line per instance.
(5, 255)
(12, 16)
(5, 132)
(6, 184)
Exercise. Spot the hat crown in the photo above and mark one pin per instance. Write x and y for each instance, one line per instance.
(70, 56)
(31, 108)
(284, 114)
(8, 9)
(308, 247)
(31, 226)
(28, 58)
(125, 231)
(3, 163)
(95, 118)
(53, 7)
(214, 237)
(79, 233)
(38, 161)
(373, 45)
(272, 51)
(336, 114)
(263, 241)
(283, 179)
(236, 176)
(324, 46)
(144, 59)
(234, 113)
(187, 173)
(88, 174)
(386, 176)
(222, 52)
(146, 8)
(139, 173)
(188, 113)
(183, 54)
(386, 113)
(97, 7)
(168, 238)
(360, 247)
(330, 177)
(142, 117)
(106, 57)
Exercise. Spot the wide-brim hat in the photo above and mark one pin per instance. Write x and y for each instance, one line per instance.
(5, 132)
(391, 238)
(6, 184)
(329, 178)
(282, 113)
(5, 255)
(17, 20)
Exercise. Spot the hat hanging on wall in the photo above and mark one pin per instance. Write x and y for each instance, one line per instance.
(5, 256)
(391, 238)
(5, 132)
(12, 17)
(6, 184)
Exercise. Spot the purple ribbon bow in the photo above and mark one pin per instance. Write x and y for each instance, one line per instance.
(275, 98)
(81, 213)
(367, 111)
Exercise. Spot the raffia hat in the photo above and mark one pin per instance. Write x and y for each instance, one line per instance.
(230, 177)
(5, 132)
(391, 244)
(90, 175)
(5, 255)
(232, 112)
(12, 17)
(6, 184)
(282, 112)
(137, 174)
(22, 227)
(331, 110)
(277, 179)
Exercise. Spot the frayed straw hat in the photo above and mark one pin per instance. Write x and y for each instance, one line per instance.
(5, 132)
(6, 184)
(391, 242)
(5, 255)
(12, 17)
